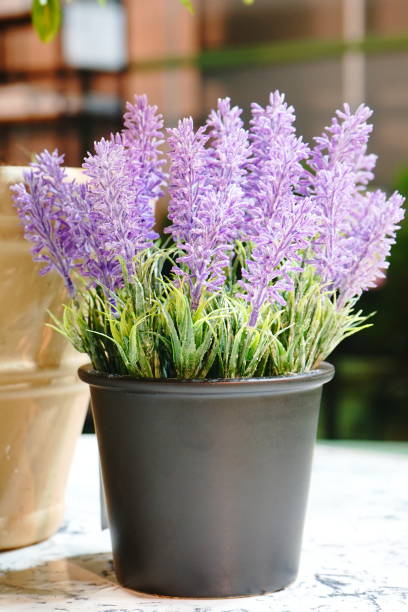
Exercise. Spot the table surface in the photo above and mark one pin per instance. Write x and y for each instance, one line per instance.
(355, 549)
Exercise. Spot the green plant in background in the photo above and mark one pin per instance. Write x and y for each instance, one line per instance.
(46, 18)
(401, 180)
(47, 15)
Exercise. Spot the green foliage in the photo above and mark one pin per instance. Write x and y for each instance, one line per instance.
(147, 329)
(242, 351)
(311, 326)
(46, 18)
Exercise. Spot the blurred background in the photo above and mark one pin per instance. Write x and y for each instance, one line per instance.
(71, 91)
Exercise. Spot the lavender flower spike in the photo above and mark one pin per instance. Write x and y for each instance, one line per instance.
(277, 252)
(230, 144)
(207, 199)
(189, 181)
(277, 155)
(143, 137)
(126, 179)
(345, 141)
(207, 252)
(44, 209)
(120, 212)
(333, 199)
(280, 221)
(356, 228)
(371, 235)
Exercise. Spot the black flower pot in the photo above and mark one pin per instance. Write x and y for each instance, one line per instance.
(206, 482)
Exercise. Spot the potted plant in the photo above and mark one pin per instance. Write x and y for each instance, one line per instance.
(207, 349)
(42, 404)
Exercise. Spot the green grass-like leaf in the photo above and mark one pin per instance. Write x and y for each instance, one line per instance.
(148, 329)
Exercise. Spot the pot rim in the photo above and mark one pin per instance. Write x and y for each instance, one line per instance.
(292, 383)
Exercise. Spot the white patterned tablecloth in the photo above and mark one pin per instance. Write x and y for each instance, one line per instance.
(355, 549)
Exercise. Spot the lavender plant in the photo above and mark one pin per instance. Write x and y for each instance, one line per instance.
(271, 242)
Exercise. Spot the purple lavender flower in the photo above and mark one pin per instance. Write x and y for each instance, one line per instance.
(345, 141)
(230, 145)
(120, 214)
(276, 167)
(96, 262)
(277, 251)
(355, 229)
(143, 137)
(368, 243)
(226, 184)
(126, 177)
(88, 227)
(280, 221)
(189, 181)
(207, 199)
(44, 209)
(211, 240)
(334, 191)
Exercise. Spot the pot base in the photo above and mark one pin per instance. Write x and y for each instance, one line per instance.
(40, 420)
(31, 528)
(268, 591)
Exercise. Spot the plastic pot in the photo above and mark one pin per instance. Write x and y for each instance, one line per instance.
(206, 482)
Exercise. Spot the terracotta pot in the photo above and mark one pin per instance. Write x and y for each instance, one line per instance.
(206, 482)
(42, 404)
